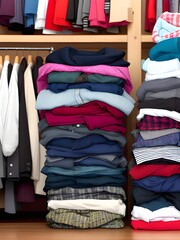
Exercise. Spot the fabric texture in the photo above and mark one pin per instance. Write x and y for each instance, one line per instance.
(74, 57)
(167, 26)
(115, 71)
(83, 219)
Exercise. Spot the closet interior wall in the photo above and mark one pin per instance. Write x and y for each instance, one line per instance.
(133, 40)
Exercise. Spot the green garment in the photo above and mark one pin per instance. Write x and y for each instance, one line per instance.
(79, 77)
(83, 219)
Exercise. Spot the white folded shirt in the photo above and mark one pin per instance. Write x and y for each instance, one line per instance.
(158, 113)
(163, 214)
(150, 77)
(113, 206)
(160, 67)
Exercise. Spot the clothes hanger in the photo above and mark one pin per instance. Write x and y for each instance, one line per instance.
(7, 58)
(1, 60)
(29, 59)
(16, 59)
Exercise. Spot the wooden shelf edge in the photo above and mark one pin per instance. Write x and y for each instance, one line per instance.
(146, 39)
(70, 38)
(63, 38)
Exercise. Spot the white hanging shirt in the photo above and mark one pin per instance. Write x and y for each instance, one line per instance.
(41, 14)
(4, 95)
(10, 138)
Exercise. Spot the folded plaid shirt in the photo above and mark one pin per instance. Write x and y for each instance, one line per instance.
(83, 219)
(103, 192)
(173, 24)
(172, 18)
(157, 123)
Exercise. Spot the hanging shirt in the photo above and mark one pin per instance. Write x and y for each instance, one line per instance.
(150, 16)
(97, 15)
(33, 119)
(107, 4)
(25, 158)
(166, 6)
(174, 6)
(40, 183)
(10, 138)
(79, 13)
(158, 8)
(17, 22)
(30, 10)
(4, 96)
(37, 65)
(71, 13)
(60, 14)
(6, 11)
(49, 25)
(41, 14)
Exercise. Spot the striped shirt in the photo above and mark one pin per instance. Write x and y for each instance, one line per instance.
(146, 154)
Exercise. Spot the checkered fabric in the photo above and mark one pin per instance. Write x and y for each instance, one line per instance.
(172, 19)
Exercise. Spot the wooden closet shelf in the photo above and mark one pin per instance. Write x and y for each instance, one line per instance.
(63, 38)
(146, 38)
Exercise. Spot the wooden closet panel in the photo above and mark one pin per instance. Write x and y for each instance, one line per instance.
(130, 40)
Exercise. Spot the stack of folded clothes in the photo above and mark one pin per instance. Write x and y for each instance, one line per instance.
(155, 166)
(83, 101)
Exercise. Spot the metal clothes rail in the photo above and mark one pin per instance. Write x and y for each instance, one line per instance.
(50, 49)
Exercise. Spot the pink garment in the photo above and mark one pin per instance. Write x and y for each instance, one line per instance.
(98, 18)
(172, 18)
(97, 15)
(106, 123)
(106, 70)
